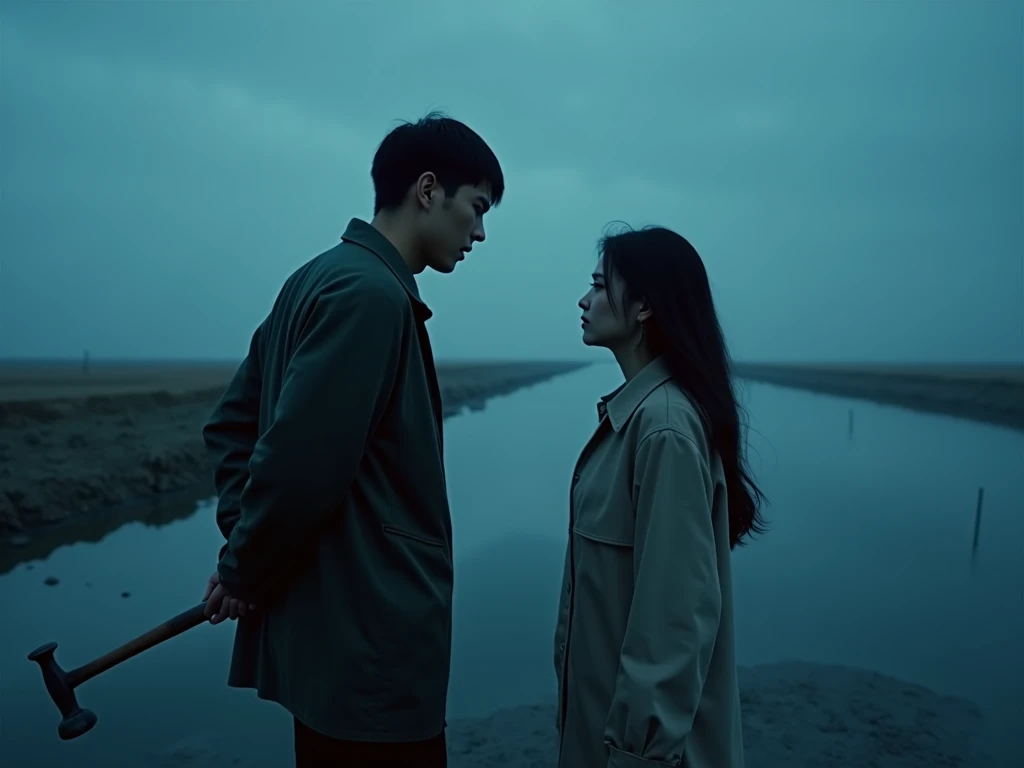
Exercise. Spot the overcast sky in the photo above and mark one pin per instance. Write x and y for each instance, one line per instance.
(851, 172)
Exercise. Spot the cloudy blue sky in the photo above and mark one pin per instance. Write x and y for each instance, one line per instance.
(851, 172)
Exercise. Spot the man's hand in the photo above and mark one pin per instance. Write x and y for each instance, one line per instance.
(220, 605)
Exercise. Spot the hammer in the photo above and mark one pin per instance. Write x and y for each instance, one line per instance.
(61, 685)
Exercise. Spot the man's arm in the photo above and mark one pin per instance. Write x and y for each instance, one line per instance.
(335, 388)
(677, 604)
(230, 436)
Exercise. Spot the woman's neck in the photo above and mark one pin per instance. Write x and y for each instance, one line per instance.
(631, 361)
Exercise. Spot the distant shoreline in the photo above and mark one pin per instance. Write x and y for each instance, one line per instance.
(74, 443)
(992, 394)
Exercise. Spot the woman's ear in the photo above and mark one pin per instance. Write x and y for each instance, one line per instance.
(645, 313)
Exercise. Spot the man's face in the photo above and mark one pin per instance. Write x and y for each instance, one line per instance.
(605, 325)
(453, 224)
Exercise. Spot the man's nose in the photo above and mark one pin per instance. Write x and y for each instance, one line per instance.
(478, 233)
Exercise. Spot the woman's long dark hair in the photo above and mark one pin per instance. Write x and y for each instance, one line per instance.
(661, 268)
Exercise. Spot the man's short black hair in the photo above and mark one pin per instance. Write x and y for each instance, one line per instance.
(436, 143)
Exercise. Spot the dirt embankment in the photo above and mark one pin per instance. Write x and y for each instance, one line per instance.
(73, 442)
(991, 394)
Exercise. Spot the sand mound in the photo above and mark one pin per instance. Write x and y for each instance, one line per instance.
(796, 715)
(824, 716)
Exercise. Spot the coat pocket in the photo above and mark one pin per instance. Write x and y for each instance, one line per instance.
(604, 569)
(393, 531)
(604, 517)
(606, 525)
(612, 537)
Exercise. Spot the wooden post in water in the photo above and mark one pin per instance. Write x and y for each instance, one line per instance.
(977, 522)
(85, 361)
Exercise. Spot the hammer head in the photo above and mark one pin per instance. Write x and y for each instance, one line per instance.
(76, 720)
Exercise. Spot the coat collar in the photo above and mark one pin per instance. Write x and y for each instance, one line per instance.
(620, 405)
(367, 236)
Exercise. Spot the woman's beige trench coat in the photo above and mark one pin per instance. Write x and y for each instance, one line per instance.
(644, 647)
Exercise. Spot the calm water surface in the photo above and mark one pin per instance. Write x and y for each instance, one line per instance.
(868, 563)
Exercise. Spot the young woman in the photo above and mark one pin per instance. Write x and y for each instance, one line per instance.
(644, 649)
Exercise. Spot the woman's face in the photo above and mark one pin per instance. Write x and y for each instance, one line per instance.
(603, 327)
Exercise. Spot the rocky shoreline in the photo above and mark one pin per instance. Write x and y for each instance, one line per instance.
(63, 456)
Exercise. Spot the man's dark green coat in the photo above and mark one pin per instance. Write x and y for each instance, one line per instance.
(332, 498)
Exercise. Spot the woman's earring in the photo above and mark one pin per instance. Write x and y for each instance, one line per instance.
(640, 341)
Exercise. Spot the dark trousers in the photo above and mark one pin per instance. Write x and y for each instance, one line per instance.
(314, 750)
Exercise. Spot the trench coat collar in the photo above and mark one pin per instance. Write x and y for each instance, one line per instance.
(620, 405)
(366, 235)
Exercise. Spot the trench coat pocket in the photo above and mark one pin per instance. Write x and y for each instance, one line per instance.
(604, 558)
(609, 522)
(607, 526)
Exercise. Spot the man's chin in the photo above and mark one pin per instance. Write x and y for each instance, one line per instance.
(444, 267)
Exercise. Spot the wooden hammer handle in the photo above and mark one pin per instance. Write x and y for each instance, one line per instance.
(183, 622)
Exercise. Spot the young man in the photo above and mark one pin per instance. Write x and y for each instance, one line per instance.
(329, 470)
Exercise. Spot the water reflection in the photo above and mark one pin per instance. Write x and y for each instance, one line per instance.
(95, 527)
(506, 602)
(505, 608)
(869, 560)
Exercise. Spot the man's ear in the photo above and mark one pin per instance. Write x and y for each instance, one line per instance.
(426, 189)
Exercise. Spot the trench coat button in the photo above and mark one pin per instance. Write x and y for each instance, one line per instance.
(562, 647)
